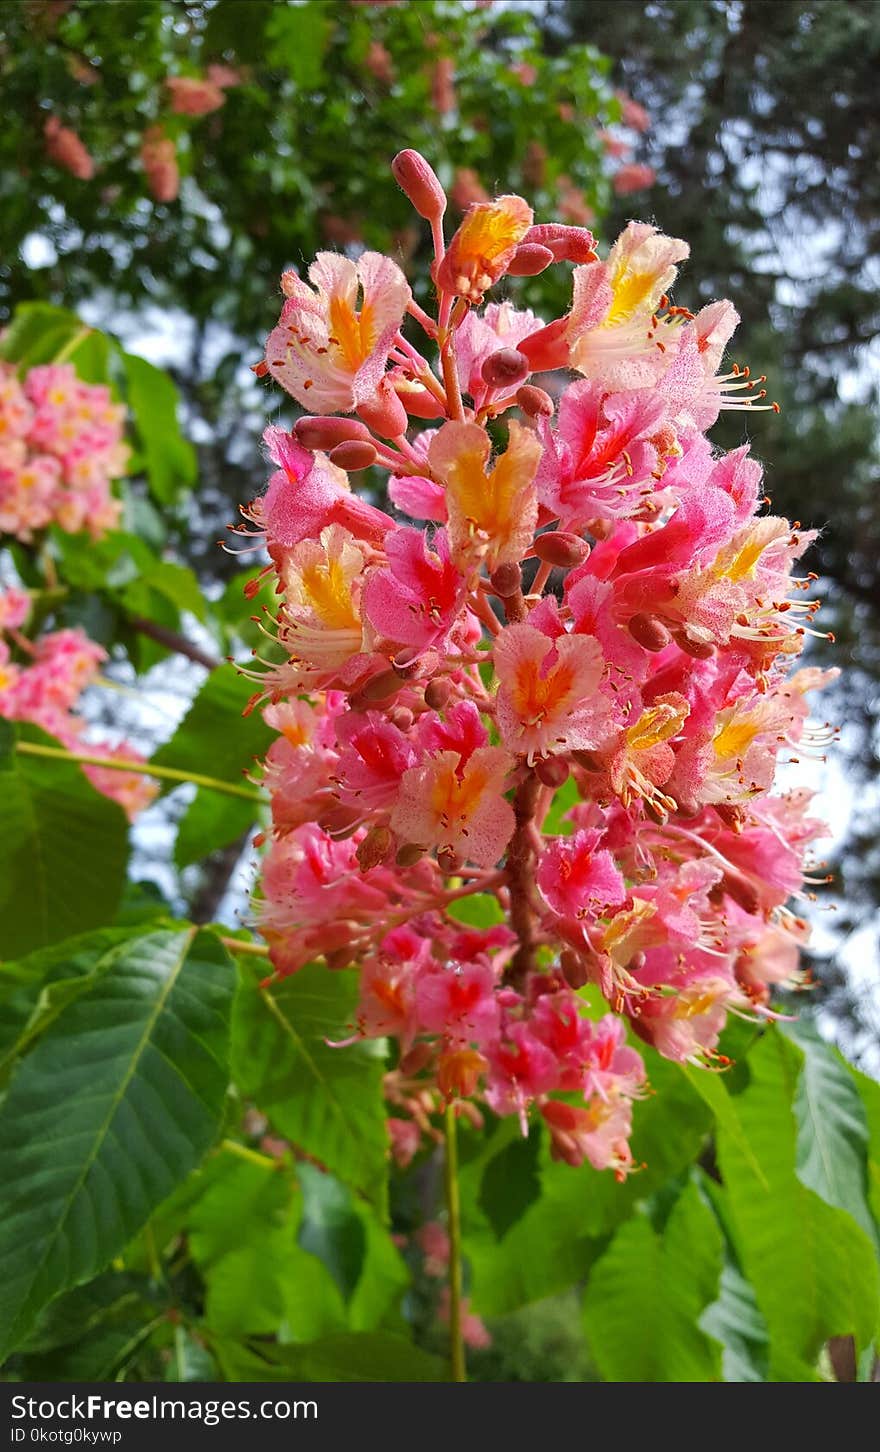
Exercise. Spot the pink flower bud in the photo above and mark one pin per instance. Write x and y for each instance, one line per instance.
(319, 432)
(561, 548)
(384, 413)
(552, 771)
(505, 369)
(381, 687)
(649, 632)
(507, 580)
(529, 259)
(574, 969)
(420, 183)
(567, 244)
(548, 348)
(437, 693)
(699, 649)
(354, 454)
(534, 402)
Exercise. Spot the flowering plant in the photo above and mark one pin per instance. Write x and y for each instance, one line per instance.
(583, 597)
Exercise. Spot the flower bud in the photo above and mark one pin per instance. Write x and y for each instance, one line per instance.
(449, 861)
(506, 580)
(374, 848)
(565, 244)
(418, 1058)
(529, 259)
(381, 687)
(699, 649)
(548, 347)
(417, 401)
(384, 413)
(574, 969)
(534, 402)
(401, 717)
(458, 1073)
(320, 432)
(354, 454)
(420, 183)
(340, 822)
(505, 369)
(649, 632)
(552, 771)
(589, 760)
(437, 693)
(558, 547)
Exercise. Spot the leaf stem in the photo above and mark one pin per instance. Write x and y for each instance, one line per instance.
(72, 344)
(142, 768)
(453, 1213)
(242, 945)
(252, 1156)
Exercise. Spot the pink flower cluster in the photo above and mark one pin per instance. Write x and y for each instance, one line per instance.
(60, 449)
(42, 687)
(577, 591)
(67, 150)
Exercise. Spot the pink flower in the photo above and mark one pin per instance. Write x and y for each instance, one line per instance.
(457, 807)
(194, 96)
(458, 1002)
(65, 148)
(632, 114)
(635, 176)
(418, 600)
(548, 698)
(576, 880)
(159, 159)
(492, 508)
(328, 353)
(433, 1241)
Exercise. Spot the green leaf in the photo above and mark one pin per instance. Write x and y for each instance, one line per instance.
(327, 1101)
(646, 1293)
(813, 1270)
(175, 583)
(355, 1356)
(153, 400)
(243, 1236)
(119, 1100)
(832, 1129)
(735, 1320)
(23, 982)
(510, 1183)
(552, 1245)
(63, 850)
(330, 1228)
(297, 37)
(869, 1093)
(77, 1313)
(211, 821)
(214, 736)
(37, 333)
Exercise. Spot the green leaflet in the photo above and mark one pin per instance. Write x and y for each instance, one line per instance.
(63, 848)
(647, 1291)
(115, 1105)
(326, 1101)
(813, 1269)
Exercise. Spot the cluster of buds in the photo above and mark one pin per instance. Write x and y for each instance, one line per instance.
(584, 596)
(41, 681)
(61, 447)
